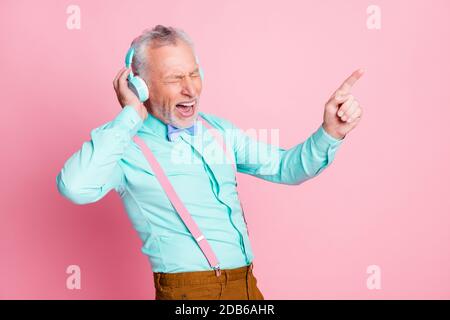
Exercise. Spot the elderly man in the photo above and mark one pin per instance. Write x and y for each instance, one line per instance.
(188, 213)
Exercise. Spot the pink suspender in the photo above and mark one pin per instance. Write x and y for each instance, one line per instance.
(178, 204)
(219, 139)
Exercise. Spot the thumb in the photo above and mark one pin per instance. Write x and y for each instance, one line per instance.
(339, 98)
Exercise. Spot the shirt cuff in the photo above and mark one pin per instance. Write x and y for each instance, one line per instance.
(326, 143)
(128, 119)
(324, 138)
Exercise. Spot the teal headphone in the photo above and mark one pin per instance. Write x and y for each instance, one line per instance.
(137, 84)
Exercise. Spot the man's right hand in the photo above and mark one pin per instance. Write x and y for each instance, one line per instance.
(124, 94)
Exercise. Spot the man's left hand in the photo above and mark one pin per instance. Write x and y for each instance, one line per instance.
(342, 111)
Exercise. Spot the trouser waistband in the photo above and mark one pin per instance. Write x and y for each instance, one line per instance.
(179, 279)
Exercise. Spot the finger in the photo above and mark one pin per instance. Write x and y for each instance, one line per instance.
(350, 81)
(118, 74)
(338, 99)
(352, 109)
(123, 78)
(116, 79)
(344, 107)
(355, 115)
(348, 112)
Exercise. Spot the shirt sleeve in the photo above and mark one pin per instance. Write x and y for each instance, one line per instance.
(92, 171)
(293, 166)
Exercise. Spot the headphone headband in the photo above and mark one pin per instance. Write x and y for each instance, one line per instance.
(129, 60)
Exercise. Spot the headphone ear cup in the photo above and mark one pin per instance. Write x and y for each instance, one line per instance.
(139, 87)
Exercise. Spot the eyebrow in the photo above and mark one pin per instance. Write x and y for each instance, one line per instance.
(176, 74)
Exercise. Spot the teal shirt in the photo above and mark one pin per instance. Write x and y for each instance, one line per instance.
(112, 160)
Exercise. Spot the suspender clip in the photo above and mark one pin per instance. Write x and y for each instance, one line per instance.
(218, 271)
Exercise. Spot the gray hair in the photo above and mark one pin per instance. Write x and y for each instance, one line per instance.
(157, 37)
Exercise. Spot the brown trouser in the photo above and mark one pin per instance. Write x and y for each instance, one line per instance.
(232, 284)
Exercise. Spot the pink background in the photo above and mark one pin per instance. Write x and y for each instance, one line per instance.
(268, 64)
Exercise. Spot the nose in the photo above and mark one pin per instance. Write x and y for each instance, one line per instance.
(188, 87)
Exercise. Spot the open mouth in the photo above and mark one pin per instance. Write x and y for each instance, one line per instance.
(186, 109)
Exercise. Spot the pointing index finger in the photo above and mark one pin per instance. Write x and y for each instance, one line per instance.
(350, 81)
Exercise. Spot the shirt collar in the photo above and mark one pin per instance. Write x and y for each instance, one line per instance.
(156, 126)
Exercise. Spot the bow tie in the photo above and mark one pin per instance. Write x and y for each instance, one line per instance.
(173, 132)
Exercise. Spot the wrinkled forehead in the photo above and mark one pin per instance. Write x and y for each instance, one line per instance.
(172, 59)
